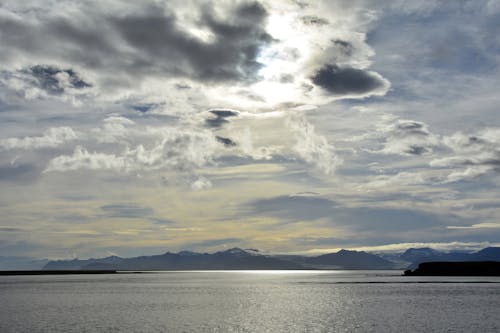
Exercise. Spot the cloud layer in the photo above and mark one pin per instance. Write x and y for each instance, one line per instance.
(285, 125)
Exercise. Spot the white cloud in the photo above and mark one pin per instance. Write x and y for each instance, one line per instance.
(201, 183)
(83, 159)
(312, 147)
(51, 138)
(404, 137)
(402, 178)
(114, 129)
(175, 149)
(401, 247)
(477, 226)
(472, 155)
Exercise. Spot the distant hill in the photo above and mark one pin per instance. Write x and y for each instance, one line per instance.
(345, 259)
(489, 253)
(232, 259)
(76, 264)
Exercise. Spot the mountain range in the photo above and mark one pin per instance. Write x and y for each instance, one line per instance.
(236, 258)
(251, 259)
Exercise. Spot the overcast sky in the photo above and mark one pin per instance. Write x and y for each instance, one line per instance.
(290, 126)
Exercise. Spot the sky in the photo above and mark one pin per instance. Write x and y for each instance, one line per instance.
(133, 128)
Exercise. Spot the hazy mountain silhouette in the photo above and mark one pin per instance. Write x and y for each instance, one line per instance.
(75, 264)
(489, 253)
(237, 258)
(234, 258)
(350, 260)
(21, 263)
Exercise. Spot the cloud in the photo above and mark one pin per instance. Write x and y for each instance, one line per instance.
(215, 53)
(56, 81)
(350, 81)
(225, 141)
(401, 178)
(177, 150)
(312, 147)
(217, 117)
(177, 38)
(230, 54)
(51, 138)
(43, 82)
(124, 147)
(294, 207)
(201, 183)
(401, 137)
(114, 130)
(476, 226)
(360, 220)
(161, 221)
(126, 210)
(401, 247)
(472, 155)
(314, 20)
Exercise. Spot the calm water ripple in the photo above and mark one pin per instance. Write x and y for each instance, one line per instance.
(308, 301)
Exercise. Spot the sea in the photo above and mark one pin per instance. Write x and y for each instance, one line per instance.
(249, 301)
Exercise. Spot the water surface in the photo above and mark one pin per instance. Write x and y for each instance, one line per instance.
(249, 301)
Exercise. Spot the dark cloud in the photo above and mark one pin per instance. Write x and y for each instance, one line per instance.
(410, 127)
(77, 197)
(251, 11)
(363, 218)
(55, 80)
(166, 47)
(127, 211)
(415, 129)
(416, 150)
(143, 108)
(220, 117)
(123, 47)
(344, 47)
(294, 207)
(346, 80)
(313, 20)
(224, 113)
(160, 221)
(182, 86)
(225, 141)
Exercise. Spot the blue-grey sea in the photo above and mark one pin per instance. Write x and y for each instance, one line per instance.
(249, 301)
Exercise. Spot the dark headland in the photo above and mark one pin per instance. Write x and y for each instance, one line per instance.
(461, 268)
